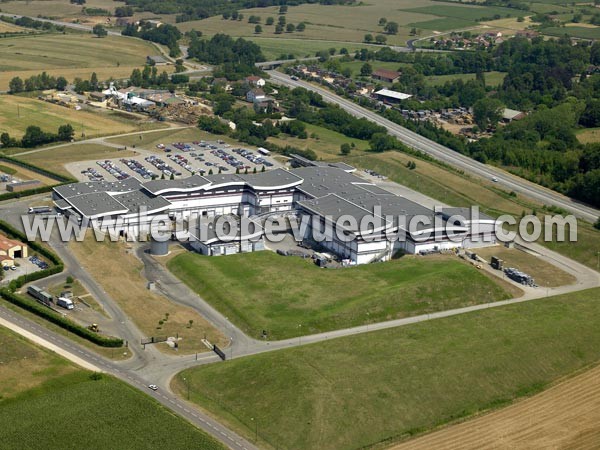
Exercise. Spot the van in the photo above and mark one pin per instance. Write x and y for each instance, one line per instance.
(65, 303)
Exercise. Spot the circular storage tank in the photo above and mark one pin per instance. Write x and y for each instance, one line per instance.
(159, 248)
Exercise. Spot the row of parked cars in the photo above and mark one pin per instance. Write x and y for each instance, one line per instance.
(92, 174)
(256, 159)
(138, 168)
(166, 169)
(38, 262)
(112, 168)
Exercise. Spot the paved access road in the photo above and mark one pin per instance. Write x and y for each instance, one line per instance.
(447, 155)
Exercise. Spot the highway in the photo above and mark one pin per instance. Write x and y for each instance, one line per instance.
(447, 155)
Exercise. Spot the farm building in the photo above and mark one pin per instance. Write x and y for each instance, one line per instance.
(23, 185)
(156, 60)
(390, 76)
(508, 115)
(11, 248)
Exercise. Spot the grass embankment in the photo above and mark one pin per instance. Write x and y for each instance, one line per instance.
(47, 402)
(377, 387)
(118, 271)
(289, 296)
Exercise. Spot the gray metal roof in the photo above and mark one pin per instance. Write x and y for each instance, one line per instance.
(194, 181)
(464, 212)
(134, 201)
(97, 204)
(320, 181)
(88, 187)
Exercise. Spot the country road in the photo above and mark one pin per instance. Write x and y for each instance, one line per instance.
(447, 155)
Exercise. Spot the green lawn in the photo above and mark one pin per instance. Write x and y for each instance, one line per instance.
(324, 142)
(267, 291)
(491, 78)
(373, 388)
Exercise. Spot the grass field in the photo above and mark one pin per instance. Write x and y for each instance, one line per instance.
(267, 291)
(47, 402)
(56, 158)
(574, 31)
(17, 113)
(491, 78)
(10, 28)
(118, 271)
(70, 55)
(444, 24)
(377, 387)
(588, 135)
(22, 173)
(459, 190)
(326, 143)
(465, 12)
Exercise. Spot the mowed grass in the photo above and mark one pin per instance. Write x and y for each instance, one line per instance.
(55, 159)
(24, 366)
(325, 143)
(70, 55)
(379, 387)
(17, 113)
(265, 291)
(491, 78)
(456, 189)
(119, 272)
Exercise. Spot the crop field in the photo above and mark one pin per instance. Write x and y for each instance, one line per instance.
(401, 382)
(266, 291)
(25, 366)
(491, 78)
(340, 23)
(575, 31)
(565, 416)
(10, 28)
(70, 55)
(17, 113)
(119, 273)
(459, 190)
(56, 158)
(325, 143)
(444, 24)
(465, 12)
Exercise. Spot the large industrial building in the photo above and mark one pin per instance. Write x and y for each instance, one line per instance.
(321, 192)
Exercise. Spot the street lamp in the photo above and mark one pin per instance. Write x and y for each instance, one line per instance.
(368, 314)
(188, 387)
(299, 334)
(255, 429)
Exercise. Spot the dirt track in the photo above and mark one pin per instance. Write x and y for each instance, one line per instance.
(566, 416)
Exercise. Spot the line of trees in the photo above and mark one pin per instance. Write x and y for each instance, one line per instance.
(35, 136)
(37, 83)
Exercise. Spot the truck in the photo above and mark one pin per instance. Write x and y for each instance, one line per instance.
(66, 303)
(39, 210)
(40, 295)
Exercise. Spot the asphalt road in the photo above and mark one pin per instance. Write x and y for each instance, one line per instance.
(447, 155)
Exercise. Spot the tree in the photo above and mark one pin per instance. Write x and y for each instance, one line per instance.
(61, 83)
(226, 15)
(290, 28)
(366, 70)
(278, 29)
(391, 28)
(382, 21)
(597, 224)
(368, 38)
(270, 21)
(281, 21)
(301, 27)
(258, 29)
(283, 9)
(15, 85)
(380, 39)
(487, 112)
(345, 149)
(5, 140)
(254, 19)
(94, 81)
(381, 142)
(136, 77)
(65, 132)
(99, 31)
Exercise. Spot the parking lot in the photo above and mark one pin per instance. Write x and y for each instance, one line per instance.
(178, 159)
(26, 266)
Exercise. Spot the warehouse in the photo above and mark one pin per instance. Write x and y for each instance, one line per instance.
(11, 249)
(322, 192)
(389, 96)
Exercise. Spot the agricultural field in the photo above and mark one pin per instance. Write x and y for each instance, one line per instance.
(465, 12)
(35, 381)
(266, 291)
(565, 416)
(70, 55)
(491, 78)
(56, 158)
(456, 189)
(574, 31)
(588, 135)
(325, 143)
(404, 381)
(18, 112)
(10, 28)
(119, 272)
(444, 24)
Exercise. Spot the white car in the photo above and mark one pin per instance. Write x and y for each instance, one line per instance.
(494, 179)
(153, 387)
